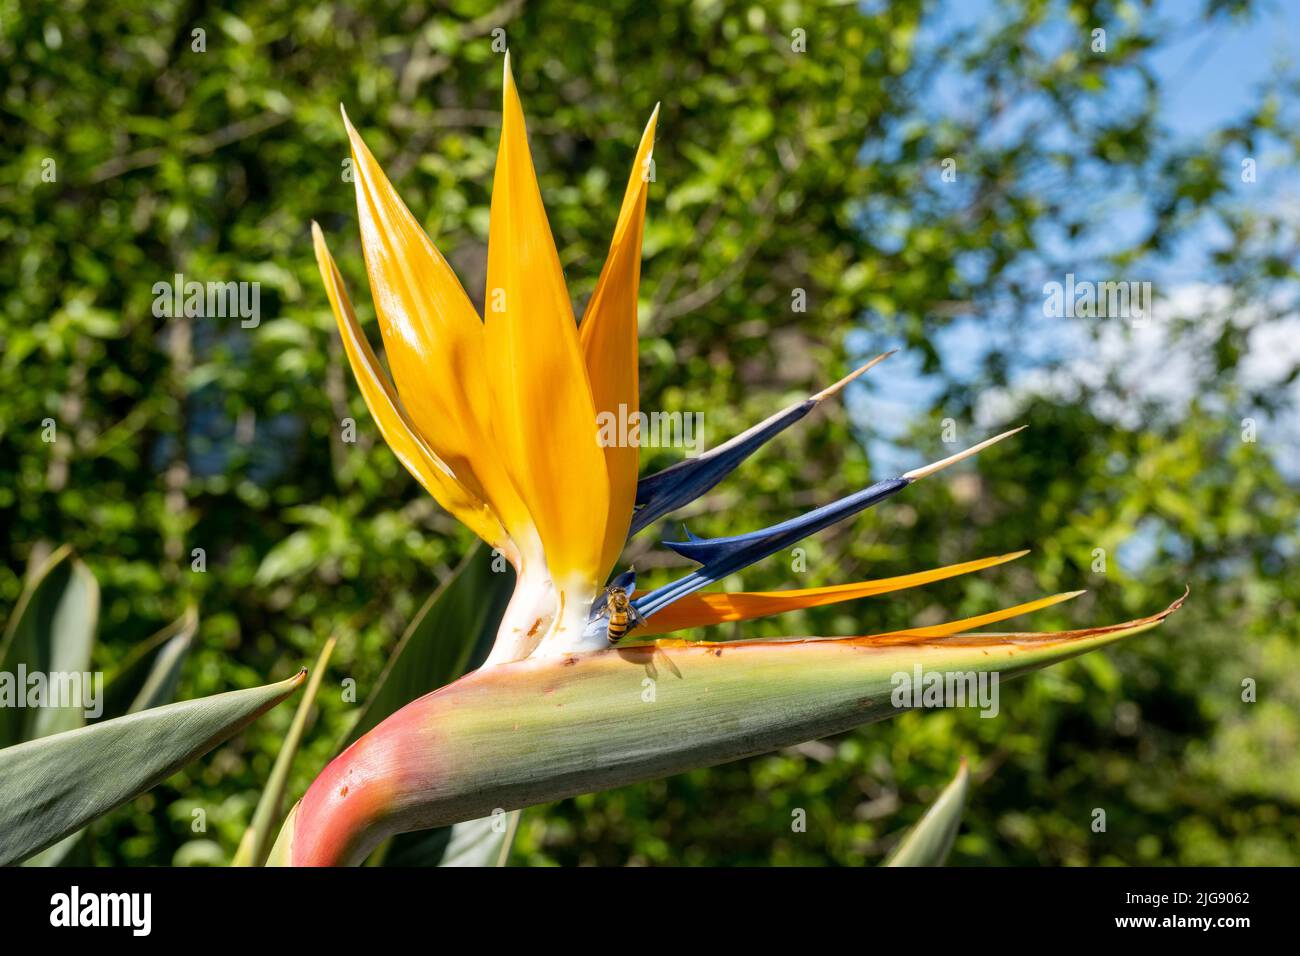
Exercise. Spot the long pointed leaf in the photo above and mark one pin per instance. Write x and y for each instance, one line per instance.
(154, 661)
(51, 787)
(164, 674)
(51, 633)
(151, 674)
(929, 842)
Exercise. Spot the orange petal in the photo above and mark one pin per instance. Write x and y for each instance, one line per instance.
(701, 610)
(608, 335)
(434, 340)
(544, 420)
(913, 634)
(394, 424)
(1054, 637)
(920, 637)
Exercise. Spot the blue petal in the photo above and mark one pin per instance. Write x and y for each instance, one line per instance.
(682, 483)
(724, 556)
(626, 581)
(712, 550)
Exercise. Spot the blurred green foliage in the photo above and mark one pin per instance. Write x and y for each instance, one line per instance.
(776, 169)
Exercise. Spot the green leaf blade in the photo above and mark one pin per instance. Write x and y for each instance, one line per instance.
(51, 633)
(930, 841)
(44, 795)
(164, 671)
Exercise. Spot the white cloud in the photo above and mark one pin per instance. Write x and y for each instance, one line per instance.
(1165, 360)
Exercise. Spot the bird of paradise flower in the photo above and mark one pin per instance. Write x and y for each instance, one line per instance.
(496, 417)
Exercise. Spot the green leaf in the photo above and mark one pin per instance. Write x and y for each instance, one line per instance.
(928, 843)
(482, 842)
(58, 853)
(165, 672)
(449, 636)
(51, 633)
(49, 788)
(147, 677)
(151, 675)
(257, 838)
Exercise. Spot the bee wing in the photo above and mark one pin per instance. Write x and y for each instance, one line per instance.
(599, 607)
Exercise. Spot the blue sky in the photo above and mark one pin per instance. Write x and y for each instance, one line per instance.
(1208, 76)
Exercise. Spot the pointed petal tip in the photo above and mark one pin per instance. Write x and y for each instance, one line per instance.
(1123, 629)
(1052, 599)
(651, 124)
(354, 138)
(324, 258)
(926, 470)
(645, 152)
(852, 376)
(532, 343)
(1187, 591)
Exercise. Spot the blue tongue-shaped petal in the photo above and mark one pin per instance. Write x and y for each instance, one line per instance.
(626, 581)
(759, 544)
(682, 483)
(724, 556)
